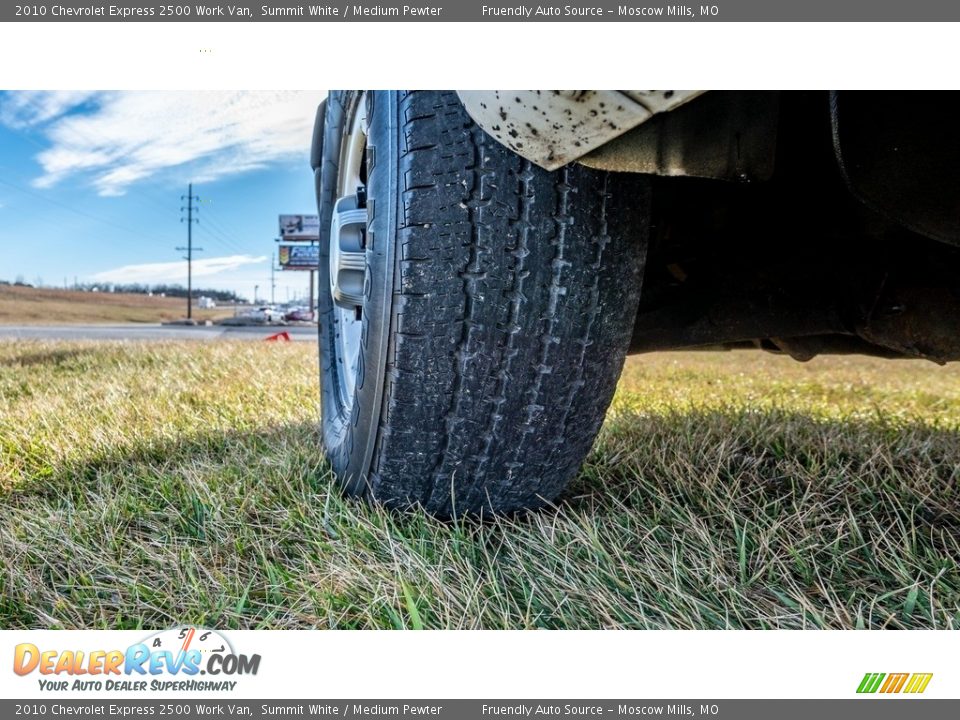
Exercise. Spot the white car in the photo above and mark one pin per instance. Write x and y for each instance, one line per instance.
(266, 313)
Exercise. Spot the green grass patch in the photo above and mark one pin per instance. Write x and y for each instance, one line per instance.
(145, 485)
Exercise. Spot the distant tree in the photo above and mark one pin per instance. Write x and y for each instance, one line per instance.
(165, 290)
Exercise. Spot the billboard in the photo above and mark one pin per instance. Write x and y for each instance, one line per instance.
(299, 257)
(300, 227)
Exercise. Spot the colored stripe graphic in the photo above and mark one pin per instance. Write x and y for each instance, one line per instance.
(918, 682)
(870, 682)
(894, 683)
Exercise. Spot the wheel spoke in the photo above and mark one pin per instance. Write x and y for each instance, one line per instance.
(347, 216)
(347, 254)
(349, 284)
(352, 261)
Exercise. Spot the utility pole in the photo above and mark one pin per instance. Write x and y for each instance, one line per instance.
(273, 281)
(189, 249)
(255, 288)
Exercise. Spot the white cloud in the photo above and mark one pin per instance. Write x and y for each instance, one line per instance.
(23, 109)
(117, 139)
(172, 272)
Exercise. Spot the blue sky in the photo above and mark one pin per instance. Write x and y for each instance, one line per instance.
(90, 185)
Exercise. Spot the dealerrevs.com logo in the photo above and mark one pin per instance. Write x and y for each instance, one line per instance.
(169, 660)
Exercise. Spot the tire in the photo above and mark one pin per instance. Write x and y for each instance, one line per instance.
(498, 301)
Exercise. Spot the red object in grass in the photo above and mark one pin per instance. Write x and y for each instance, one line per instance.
(279, 337)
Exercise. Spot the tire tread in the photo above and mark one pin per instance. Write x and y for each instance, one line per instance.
(515, 296)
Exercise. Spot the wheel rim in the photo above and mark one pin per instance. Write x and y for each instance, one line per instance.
(347, 252)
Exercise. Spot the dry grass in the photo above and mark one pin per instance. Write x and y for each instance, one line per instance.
(47, 306)
(152, 484)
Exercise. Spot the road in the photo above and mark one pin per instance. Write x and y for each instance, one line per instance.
(136, 331)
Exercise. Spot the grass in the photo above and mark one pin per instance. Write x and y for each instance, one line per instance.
(146, 485)
(48, 306)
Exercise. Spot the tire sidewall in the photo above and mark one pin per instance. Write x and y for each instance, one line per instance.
(349, 431)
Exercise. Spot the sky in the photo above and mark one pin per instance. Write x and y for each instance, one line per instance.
(91, 185)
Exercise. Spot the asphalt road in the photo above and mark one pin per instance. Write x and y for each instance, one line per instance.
(136, 331)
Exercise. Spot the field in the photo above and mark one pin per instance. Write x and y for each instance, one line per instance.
(47, 306)
(147, 485)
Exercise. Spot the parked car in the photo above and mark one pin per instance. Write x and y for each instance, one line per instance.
(299, 314)
(488, 259)
(265, 313)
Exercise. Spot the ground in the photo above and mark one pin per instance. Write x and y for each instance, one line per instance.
(145, 485)
(47, 306)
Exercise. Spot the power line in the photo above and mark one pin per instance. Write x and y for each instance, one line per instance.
(226, 237)
(222, 220)
(218, 237)
(224, 228)
(74, 210)
(223, 237)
